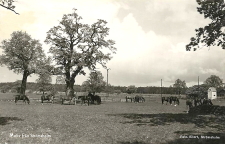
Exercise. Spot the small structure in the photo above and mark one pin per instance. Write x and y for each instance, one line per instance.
(212, 93)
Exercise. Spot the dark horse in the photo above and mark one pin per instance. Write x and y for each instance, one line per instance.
(22, 97)
(175, 100)
(129, 97)
(167, 99)
(207, 102)
(189, 104)
(47, 97)
(94, 98)
(84, 99)
(138, 99)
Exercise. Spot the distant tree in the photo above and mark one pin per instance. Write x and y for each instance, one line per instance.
(131, 89)
(198, 91)
(109, 89)
(44, 80)
(75, 45)
(179, 85)
(118, 91)
(22, 54)
(213, 33)
(8, 4)
(214, 81)
(95, 82)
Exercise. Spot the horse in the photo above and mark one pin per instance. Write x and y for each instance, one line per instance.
(22, 97)
(207, 102)
(197, 102)
(175, 100)
(95, 98)
(84, 99)
(138, 99)
(167, 99)
(49, 97)
(189, 104)
(129, 97)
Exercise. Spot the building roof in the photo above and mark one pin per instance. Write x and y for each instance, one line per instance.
(211, 89)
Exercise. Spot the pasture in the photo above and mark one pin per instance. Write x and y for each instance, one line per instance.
(112, 122)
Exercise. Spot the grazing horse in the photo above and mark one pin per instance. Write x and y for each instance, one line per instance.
(207, 102)
(167, 99)
(175, 100)
(197, 102)
(22, 97)
(84, 99)
(189, 104)
(49, 97)
(138, 99)
(94, 98)
(129, 97)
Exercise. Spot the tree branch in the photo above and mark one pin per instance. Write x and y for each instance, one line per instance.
(9, 9)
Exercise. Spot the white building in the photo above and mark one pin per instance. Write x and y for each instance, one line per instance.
(212, 93)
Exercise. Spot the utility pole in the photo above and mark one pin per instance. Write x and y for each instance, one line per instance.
(198, 86)
(161, 88)
(108, 80)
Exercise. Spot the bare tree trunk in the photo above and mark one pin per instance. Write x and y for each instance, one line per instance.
(24, 82)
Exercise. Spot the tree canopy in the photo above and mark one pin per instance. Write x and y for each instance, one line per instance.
(179, 85)
(22, 54)
(214, 81)
(212, 34)
(197, 91)
(8, 4)
(75, 45)
(95, 82)
(131, 89)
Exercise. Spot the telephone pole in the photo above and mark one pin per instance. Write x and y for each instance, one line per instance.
(161, 88)
(108, 80)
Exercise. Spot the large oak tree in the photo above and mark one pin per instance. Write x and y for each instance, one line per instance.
(212, 34)
(75, 45)
(22, 54)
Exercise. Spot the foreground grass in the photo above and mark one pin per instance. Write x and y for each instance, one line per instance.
(110, 122)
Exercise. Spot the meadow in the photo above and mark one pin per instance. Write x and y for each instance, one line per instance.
(113, 122)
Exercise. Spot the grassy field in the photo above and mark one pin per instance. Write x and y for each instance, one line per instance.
(112, 122)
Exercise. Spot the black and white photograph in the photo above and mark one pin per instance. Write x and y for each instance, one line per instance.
(112, 71)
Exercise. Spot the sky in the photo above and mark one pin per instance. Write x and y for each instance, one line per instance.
(150, 37)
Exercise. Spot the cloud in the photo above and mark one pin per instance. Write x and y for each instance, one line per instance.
(150, 37)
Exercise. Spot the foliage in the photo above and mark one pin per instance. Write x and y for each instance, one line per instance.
(44, 80)
(200, 91)
(75, 45)
(118, 91)
(131, 89)
(213, 33)
(109, 89)
(8, 4)
(94, 83)
(179, 85)
(22, 54)
(214, 81)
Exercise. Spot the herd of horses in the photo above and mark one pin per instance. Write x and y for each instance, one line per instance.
(85, 99)
(135, 99)
(95, 99)
(194, 102)
(170, 100)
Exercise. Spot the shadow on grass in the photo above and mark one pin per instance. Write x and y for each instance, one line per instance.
(169, 118)
(6, 120)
